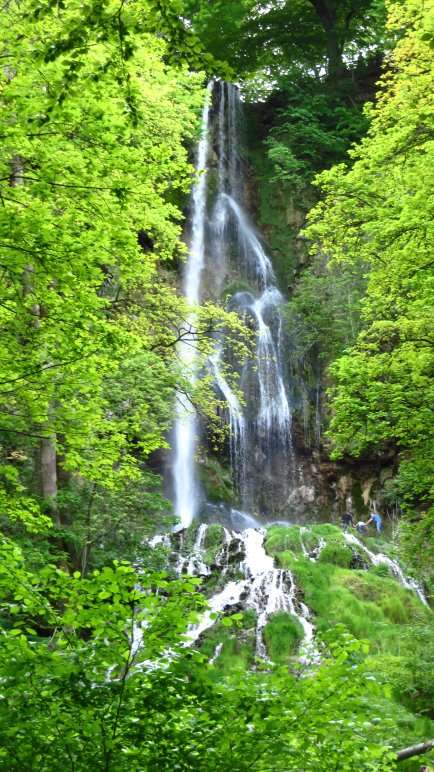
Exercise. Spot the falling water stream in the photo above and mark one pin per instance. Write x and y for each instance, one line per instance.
(186, 426)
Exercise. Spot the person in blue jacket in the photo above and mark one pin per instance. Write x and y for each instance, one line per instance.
(374, 518)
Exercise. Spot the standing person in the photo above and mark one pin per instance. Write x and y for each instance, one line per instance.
(361, 527)
(347, 520)
(374, 518)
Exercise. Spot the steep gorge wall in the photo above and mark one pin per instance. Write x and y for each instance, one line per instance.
(281, 216)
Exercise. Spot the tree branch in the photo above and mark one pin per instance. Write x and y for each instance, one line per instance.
(414, 750)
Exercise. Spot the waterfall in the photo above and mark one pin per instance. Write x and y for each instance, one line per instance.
(186, 426)
(237, 424)
(225, 248)
(224, 243)
(260, 427)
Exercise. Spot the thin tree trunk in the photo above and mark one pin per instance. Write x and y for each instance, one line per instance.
(48, 445)
(88, 536)
(49, 474)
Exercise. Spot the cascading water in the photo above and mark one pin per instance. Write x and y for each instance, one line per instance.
(263, 588)
(261, 442)
(224, 245)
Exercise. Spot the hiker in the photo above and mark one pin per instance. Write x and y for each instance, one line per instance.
(361, 527)
(347, 520)
(374, 518)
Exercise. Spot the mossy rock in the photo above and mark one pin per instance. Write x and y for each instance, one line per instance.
(281, 538)
(249, 619)
(214, 536)
(236, 654)
(287, 559)
(381, 569)
(231, 288)
(363, 586)
(216, 481)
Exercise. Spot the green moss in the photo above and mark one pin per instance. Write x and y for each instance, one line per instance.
(382, 569)
(249, 619)
(213, 543)
(214, 536)
(394, 610)
(327, 531)
(237, 651)
(216, 481)
(369, 606)
(237, 285)
(273, 217)
(337, 554)
(282, 635)
(281, 538)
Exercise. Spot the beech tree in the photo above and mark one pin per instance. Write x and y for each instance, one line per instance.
(273, 36)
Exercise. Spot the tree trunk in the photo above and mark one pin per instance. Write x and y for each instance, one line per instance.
(327, 19)
(48, 468)
(48, 444)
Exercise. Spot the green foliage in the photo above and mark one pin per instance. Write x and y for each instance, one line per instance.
(324, 313)
(378, 214)
(263, 40)
(117, 30)
(337, 554)
(90, 218)
(100, 524)
(411, 672)
(78, 691)
(312, 132)
(83, 307)
(282, 635)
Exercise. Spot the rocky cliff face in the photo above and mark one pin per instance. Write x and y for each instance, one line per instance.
(327, 488)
